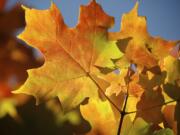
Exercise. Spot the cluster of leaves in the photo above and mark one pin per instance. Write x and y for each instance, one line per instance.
(131, 79)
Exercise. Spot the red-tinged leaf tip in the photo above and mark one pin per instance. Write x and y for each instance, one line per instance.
(93, 1)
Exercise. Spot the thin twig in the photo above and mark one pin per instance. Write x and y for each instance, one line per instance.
(146, 109)
(123, 112)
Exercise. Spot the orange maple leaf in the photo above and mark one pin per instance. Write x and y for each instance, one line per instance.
(71, 54)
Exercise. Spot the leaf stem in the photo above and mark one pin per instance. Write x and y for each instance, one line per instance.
(123, 112)
(101, 90)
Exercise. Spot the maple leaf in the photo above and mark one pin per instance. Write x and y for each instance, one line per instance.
(168, 113)
(107, 121)
(151, 98)
(103, 119)
(139, 47)
(165, 131)
(145, 106)
(141, 127)
(71, 54)
(172, 66)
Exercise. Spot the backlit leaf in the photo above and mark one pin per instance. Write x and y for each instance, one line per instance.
(103, 120)
(71, 54)
(142, 48)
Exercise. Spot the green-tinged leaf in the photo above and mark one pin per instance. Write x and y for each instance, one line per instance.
(140, 127)
(166, 131)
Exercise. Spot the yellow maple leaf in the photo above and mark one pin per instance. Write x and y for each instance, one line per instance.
(139, 47)
(71, 54)
(103, 120)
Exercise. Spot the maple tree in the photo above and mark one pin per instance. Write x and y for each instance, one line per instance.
(131, 79)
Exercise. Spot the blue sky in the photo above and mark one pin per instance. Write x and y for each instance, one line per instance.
(163, 16)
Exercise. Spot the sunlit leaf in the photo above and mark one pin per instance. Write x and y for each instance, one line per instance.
(71, 54)
(101, 117)
(142, 48)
